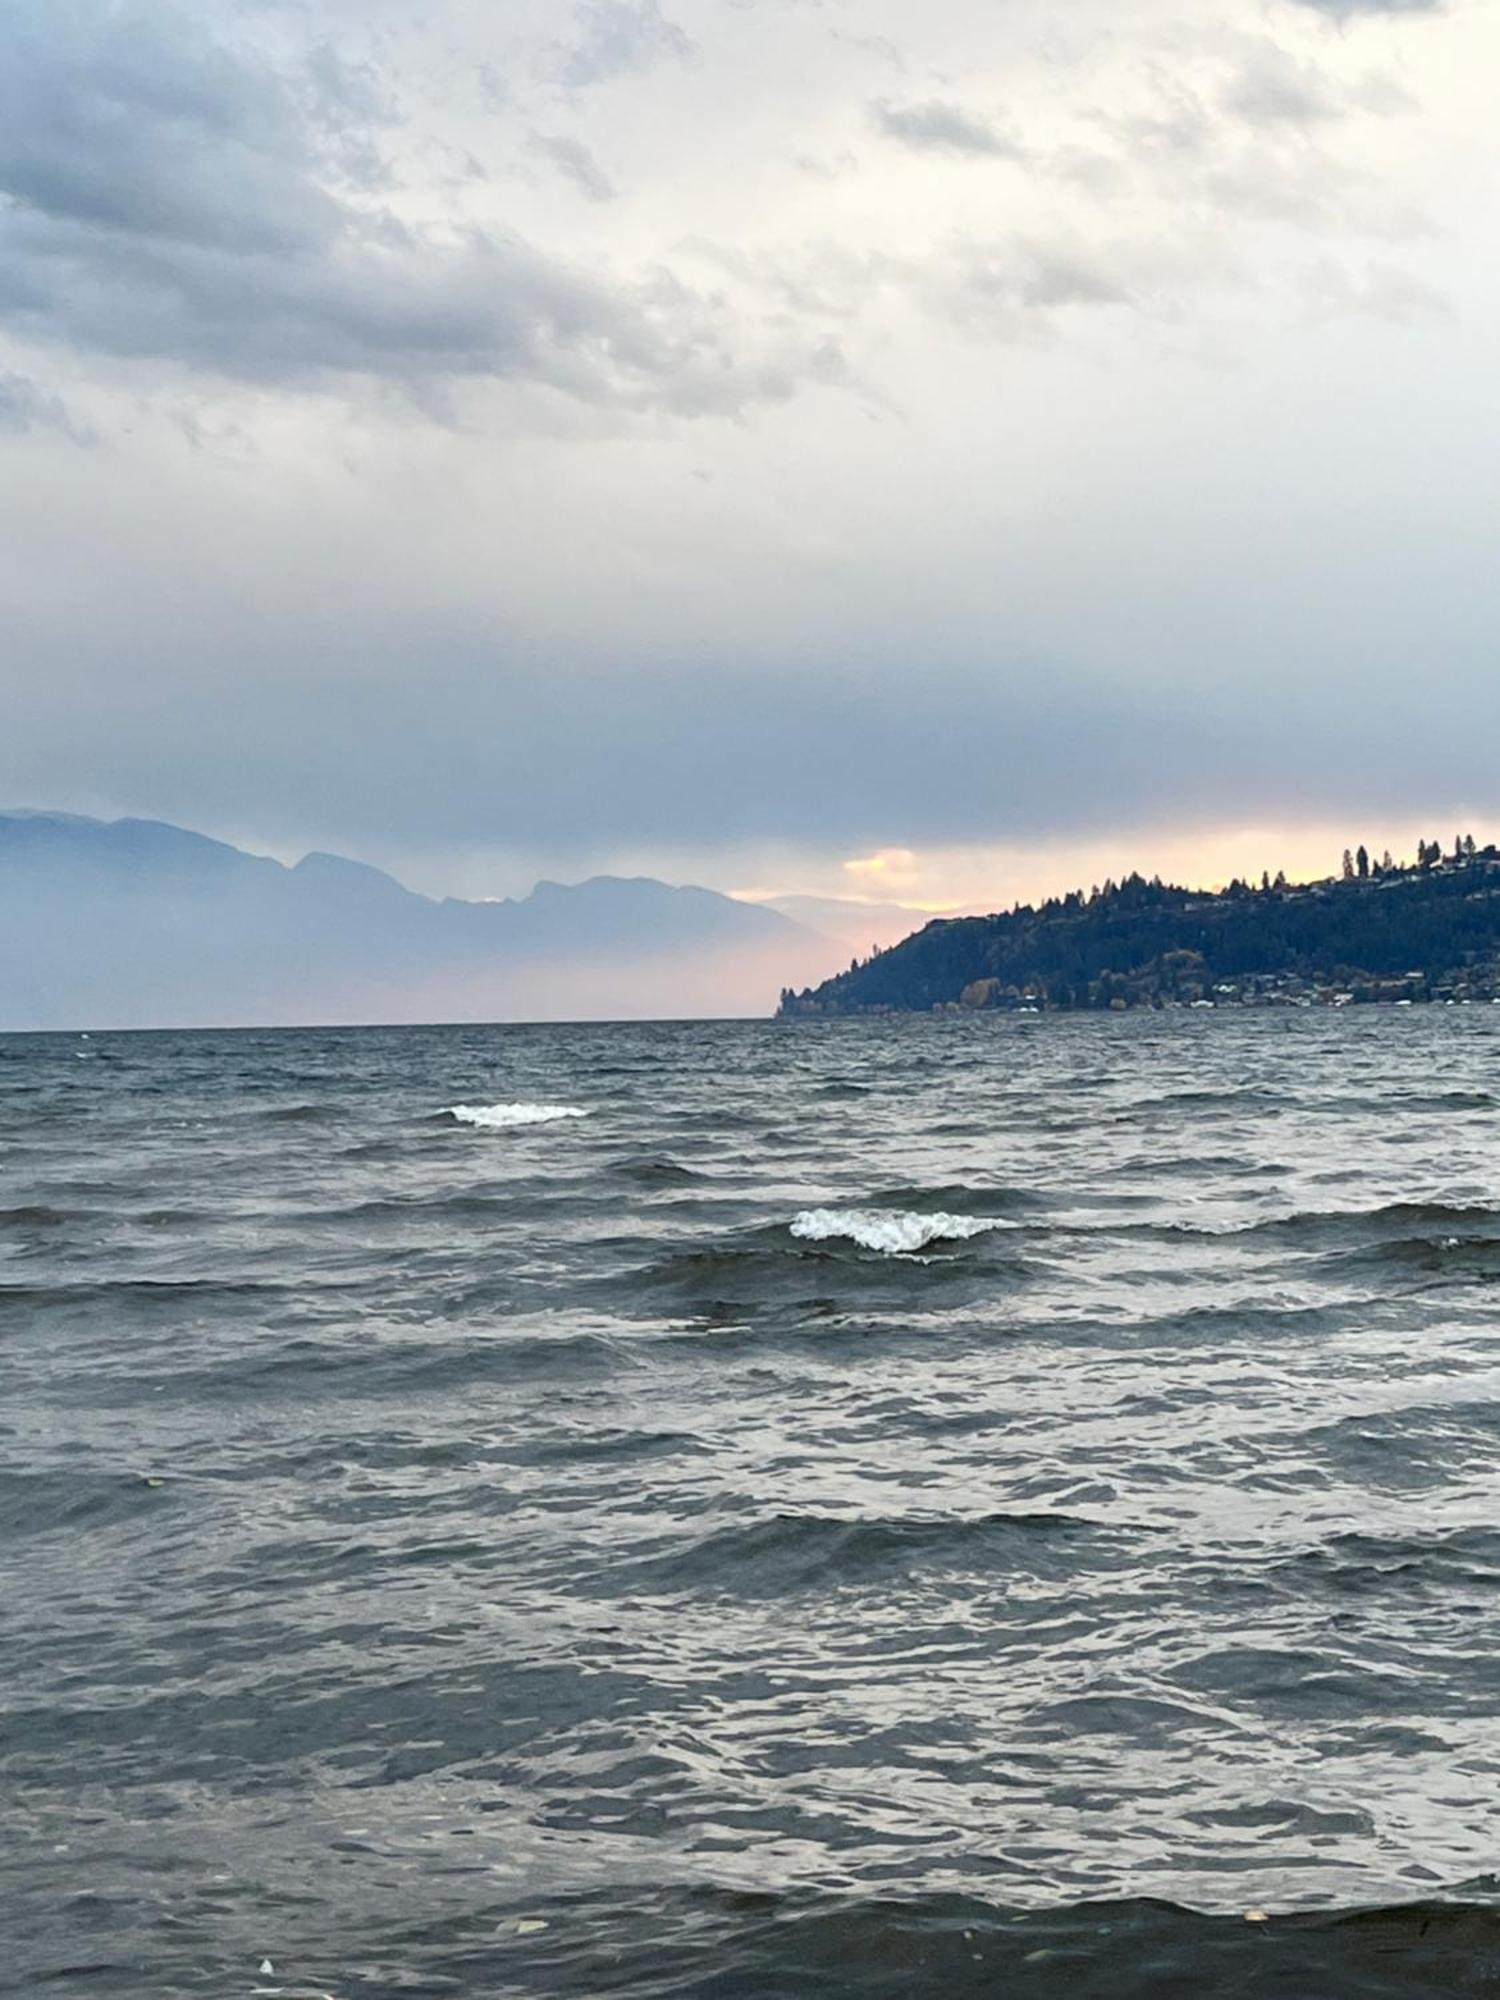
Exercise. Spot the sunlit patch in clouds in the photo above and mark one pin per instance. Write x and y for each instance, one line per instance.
(893, 869)
(957, 880)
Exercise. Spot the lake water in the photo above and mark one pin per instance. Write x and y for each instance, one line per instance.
(886, 1508)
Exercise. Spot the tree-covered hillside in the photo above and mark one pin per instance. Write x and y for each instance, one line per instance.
(1378, 931)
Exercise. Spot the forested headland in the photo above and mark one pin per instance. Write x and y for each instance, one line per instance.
(1379, 930)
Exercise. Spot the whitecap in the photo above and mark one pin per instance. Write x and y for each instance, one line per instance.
(502, 1117)
(894, 1232)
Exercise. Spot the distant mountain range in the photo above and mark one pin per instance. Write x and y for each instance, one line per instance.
(135, 923)
(1379, 931)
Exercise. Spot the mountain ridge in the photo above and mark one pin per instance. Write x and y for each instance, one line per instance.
(139, 922)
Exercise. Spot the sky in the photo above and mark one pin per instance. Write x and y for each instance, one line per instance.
(814, 446)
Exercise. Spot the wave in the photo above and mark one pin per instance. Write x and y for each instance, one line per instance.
(787, 1553)
(1354, 1563)
(805, 1289)
(1233, 1099)
(656, 1170)
(1390, 1218)
(918, 1942)
(504, 1117)
(1441, 1100)
(960, 1197)
(123, 1290)
(50, 1501)
(1394, 1229)
(330, 1368)
(36, 1215)
(894, 1233)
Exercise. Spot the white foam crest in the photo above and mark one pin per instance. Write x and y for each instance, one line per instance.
(502, 1117)
(894, 1232)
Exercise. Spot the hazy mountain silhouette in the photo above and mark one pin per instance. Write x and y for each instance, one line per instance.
(137, 923)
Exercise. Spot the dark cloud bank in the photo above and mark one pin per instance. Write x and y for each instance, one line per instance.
(475, 754)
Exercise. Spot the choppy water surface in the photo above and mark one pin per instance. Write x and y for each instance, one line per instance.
(927, 1507)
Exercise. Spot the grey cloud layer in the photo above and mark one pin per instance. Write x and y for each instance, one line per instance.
(849, 754)
(166, 197)
(1170, 454)
(168, 200)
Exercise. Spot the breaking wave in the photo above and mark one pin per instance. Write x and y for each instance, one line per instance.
(894, 1233)
(502, 1117)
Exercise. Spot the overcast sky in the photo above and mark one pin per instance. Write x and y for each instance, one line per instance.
(746, 438)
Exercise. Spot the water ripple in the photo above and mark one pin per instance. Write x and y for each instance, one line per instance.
(513, 1555)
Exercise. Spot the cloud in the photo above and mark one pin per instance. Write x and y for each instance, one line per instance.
(1001, 290)
(138, 126)
(503, 753)
(889, 868)
(617, 38)
(1138, 463)
(1376, 292)
(1261, 136)
(1272, 88)
(1344, 8)
(934, 126)
(879, 46)
(574, 162)
(26, 406)
(163, 199)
